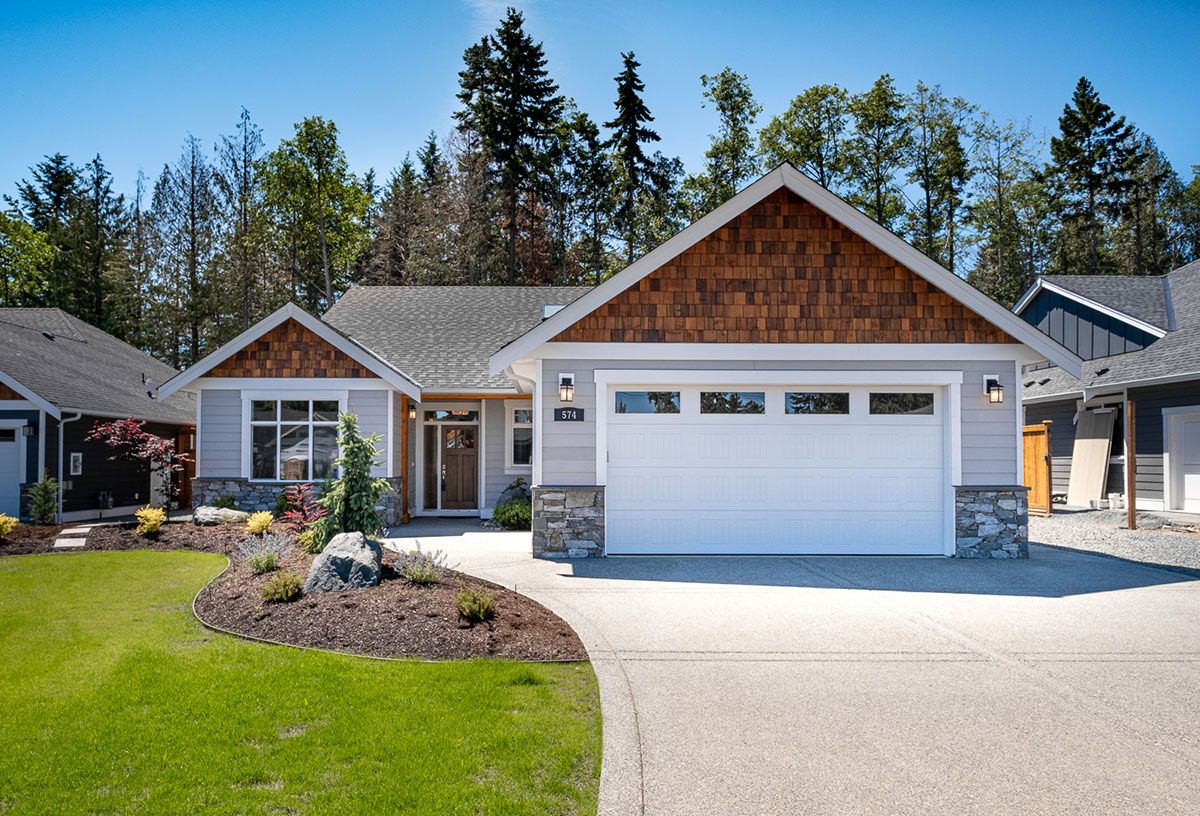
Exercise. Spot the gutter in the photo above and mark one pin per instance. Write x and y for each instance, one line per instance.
(62, 422)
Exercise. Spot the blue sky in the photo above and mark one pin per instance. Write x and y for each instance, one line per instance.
(130, 79)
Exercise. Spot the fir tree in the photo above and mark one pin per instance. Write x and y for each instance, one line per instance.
(636, 175)
(50, 201)
(240, 209)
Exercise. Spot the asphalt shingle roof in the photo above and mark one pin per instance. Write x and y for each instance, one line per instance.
(442, 336)
(80, 366)
(1142, 297)
(1176, 353)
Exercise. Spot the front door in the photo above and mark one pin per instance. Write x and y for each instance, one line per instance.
(1188, 428)
(460, 467)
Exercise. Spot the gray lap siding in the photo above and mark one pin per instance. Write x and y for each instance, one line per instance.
(989, 452)
(1150, 403)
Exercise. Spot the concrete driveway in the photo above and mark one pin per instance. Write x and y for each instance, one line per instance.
(1065, 684)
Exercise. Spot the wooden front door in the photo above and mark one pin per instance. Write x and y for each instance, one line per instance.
(460, 467)
(1035, 440)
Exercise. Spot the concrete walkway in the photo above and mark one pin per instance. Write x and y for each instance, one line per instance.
(1066, 684)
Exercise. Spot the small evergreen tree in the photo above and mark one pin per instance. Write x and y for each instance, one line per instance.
(350, 499)
(43, 499)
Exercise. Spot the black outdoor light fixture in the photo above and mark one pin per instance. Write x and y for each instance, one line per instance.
(566, 387)
(993, 388)
(412, 410)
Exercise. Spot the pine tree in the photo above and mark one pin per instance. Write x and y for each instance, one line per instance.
(132, 295)
(730, 160)
(636, 175)
(101, 230)
(810, 135)
(591, 177)
(50, 201)
(1088, 161)
(393, 234)
(1186, 243)
(877, 149)
(26, 258)
(1147, 210)
(433, 166)
(239, 203)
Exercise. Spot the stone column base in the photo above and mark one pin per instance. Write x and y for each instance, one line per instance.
(568, 521)
(991, 521)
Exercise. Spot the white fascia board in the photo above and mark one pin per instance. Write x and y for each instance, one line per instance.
(652, 377)
(384, 370)
(31, 395)
(1143, 383)
(1066, 395)
(787, 176)
(1117, 314)
(789, 352)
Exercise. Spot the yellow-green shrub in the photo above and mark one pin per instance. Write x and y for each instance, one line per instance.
(7, 525)
(259, 522)
(282, 587)
(307, 542)
(150, 520)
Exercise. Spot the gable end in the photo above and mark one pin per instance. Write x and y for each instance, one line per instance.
(783, 272)
(290, 350)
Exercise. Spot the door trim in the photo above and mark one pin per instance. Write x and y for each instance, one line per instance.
(418, 448)
(1170, 463)
(949, 380)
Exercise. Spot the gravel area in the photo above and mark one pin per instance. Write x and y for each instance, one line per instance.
(1103, 531)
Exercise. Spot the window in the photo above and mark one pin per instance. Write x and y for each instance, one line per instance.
(293, 440)
(733, 402)
(519, 431)
(647, 402)
(452, 415)
(816, 402)
(907, 403)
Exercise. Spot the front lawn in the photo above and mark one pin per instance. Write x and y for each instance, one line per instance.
(116, 700)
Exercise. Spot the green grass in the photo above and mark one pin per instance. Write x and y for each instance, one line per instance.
(116, 700)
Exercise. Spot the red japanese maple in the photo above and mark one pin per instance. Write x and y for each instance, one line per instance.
(131, 442)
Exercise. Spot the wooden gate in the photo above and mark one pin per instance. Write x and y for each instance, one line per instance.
(1035, 440)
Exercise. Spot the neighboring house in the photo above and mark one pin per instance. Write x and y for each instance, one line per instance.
(783, 376)
(1140, 338)
(58, 377)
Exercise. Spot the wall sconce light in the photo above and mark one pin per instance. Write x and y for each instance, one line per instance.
(412, 411)
(993, 389)
(26, 430)
(566, 387)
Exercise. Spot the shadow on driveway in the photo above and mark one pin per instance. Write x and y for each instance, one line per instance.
(1048, 573)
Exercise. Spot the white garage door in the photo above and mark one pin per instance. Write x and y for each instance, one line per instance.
(773, 469)
(10, 471)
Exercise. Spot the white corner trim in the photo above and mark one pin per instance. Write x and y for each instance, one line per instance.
(1096, 305)
(858, 222)
(291, 311)
(539, 418)
(391, 433)
(1020, 437)
(28, 393)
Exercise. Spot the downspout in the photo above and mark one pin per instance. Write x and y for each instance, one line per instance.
(62, 422)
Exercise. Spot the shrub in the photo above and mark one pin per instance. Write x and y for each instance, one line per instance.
(264, 562)
(514, 515)
(350, 499)
(150, 520)
(7, 525)
(225, 502)
(421, 568)
(281, 505)
(281, 588)
(43, 499)
(302, 510)
(259, 522)
(253, 546)
(307, 542)
(475, 606)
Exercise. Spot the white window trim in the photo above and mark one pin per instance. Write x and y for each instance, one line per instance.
(248, 397)
(510, 467)
(1170, 440)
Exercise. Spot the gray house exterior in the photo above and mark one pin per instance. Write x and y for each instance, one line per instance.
(1140, 340)
(783, 376)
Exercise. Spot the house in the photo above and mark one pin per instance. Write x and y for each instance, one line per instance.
(783, 376)
(1140, 340)
(59, 376)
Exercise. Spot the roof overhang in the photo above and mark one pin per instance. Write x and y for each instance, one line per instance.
(356, 351)
(787, 176)
(40, 402)
(1049, 286)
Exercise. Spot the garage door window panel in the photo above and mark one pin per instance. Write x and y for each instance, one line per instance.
(906, 403)
(817, 402)
(733, 402)
(647, 402)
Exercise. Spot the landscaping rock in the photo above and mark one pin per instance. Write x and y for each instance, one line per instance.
(517, 491)
(212, 516)
(349, 561)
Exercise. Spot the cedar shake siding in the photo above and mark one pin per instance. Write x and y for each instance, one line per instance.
(290, 350)
(7, 393)
(783, 272)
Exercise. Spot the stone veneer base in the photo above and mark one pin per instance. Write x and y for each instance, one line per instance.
(261, 495)
(991, 521)
(568, 521)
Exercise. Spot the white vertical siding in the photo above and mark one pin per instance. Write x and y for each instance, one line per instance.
(220, 453)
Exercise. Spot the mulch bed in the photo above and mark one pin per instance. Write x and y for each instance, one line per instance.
(394, 619)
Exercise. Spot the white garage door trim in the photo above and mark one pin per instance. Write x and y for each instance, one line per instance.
(19, 445)
(948, 382)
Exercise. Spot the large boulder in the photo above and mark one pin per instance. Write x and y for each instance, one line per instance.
(349, 561)
(210, 516)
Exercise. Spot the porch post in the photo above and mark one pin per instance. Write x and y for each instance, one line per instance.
(404, 486)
